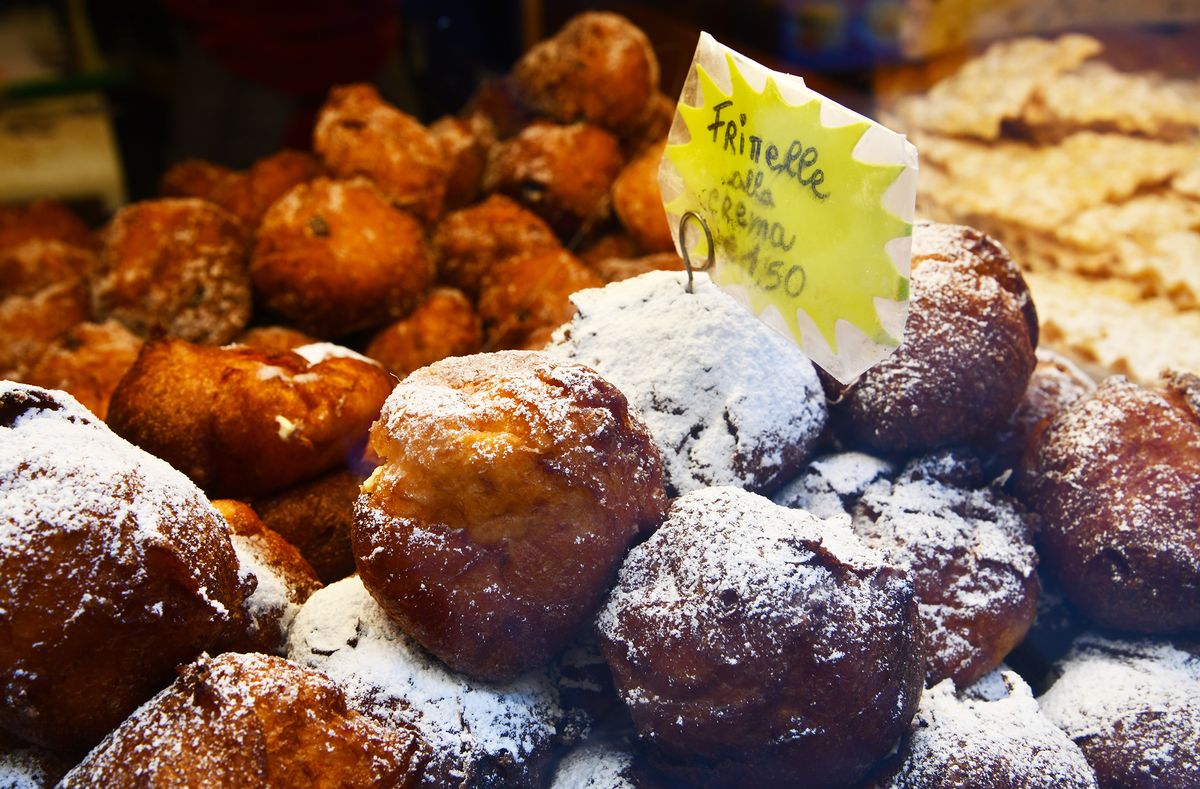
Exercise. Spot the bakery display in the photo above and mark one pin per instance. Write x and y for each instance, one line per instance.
(115, 568)
(558, 568)
(255, 721)
(510, 488)
(751, 641)
(1115, 478)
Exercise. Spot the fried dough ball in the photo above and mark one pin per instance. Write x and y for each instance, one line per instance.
(113, 569)
(527, 293)
(247, 195)
(753, 643)
(617, 244)
(274, 339)
(654, 126)
(465, 143)
(43, 293)
(1133, 708)
(598, 68)
(993, 737)
(561, 173)
(968, 551)
(174, 267)
(833, 484)
(966, 357)
(1115, 478)
(88, 361)
(728, 400)
(445, 324)
(245, 423)
(481, 734)
(316, 517)
(252, 721)
(1055, 384)
(472, 240)
(637, 201)
(333, 257)
(510, 489)
(283, 580)
(358, 133)
(497, 100)
(45, 220)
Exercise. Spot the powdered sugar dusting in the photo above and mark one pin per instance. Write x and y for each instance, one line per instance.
(832, 484)
(273, 602)
(973, 741)
(1132, 704)
(24, 768)
(968, 553)
(64, 475)
(728, 401)
(343, 632)
(723, 547)
(596, 764)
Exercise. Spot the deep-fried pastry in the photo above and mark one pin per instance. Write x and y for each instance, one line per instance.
(637, 201)
(530, 294)
(252, 721)
(174, 267)
(472, 240)
(444, 324)
(113, 569)
(510, 489)
(316, 517)
(753, 643)
(88, 361)
(45, 220)
(333, 257)
(244, 423)
(43, 293)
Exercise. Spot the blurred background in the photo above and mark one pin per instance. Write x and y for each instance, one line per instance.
(97, 99)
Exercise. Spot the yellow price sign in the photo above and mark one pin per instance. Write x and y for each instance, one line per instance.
(809, 206)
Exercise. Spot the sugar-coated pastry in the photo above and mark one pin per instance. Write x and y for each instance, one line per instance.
(992, 736)
(1133, 708)
(316, 517)
(334, 257)
(614, 244)
(360, 134)
(1115, 478)
(113, 569)
(174, 267)
(88, 361)
(728, 400)
(968, 551)
(561, 173)
(472, 240)
(43, 293)
(247, 195)
(444, 324)
(966, 356)
(254, 721)
(493, 464)
(601, 763)
(45, 220)
(637, 202)
(283, 580)
(599, 68)
(481, 734)
(529, 294)
(245, 423)
(754, 644)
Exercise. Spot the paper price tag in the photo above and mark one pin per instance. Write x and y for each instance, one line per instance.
(809, 205)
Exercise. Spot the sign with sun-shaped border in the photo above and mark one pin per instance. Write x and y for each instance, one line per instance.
(809, 206)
